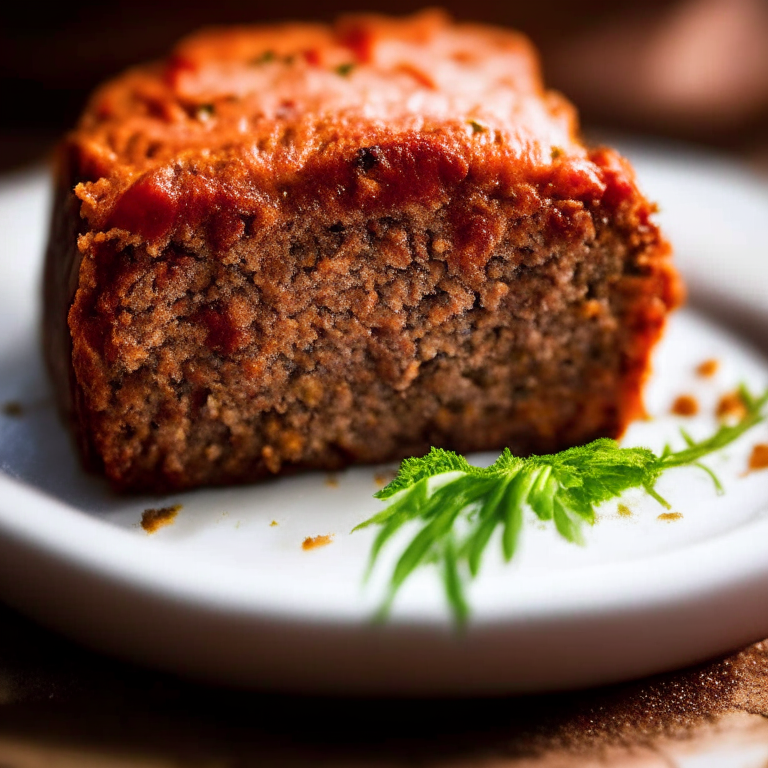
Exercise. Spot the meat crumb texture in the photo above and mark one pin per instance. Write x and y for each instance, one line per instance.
(306, 246)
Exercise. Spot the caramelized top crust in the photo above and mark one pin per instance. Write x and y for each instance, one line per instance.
(287, 91)
(371, 113)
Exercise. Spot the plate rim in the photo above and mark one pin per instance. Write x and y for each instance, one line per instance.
(736, 560)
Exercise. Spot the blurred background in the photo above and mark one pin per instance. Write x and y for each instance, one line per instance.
(691, 70)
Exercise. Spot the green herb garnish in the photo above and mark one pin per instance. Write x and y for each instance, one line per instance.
(345, 69)
(442, 488)
(476, 127)
(556, 153)
(263, 58)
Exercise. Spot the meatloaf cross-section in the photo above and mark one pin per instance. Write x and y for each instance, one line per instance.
(307, 246)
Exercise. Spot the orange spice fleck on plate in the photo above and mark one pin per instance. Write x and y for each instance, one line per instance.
(758, 459)
(592, 309)
(624, 510)
(708, 368)
(154, 519)
(384, 478)
(685, 405)
(313, 542)
(731, 406)
(668, 517)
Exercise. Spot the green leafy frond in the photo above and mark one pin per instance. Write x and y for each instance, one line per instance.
(412, 470)
(564, 488)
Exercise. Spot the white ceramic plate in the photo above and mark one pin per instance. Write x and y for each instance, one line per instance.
(224, 595)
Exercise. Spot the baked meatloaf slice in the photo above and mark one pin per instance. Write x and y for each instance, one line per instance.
(305, 246)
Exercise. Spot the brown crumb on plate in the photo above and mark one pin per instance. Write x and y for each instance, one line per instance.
(313, 542)
(332, 481)
(13, 408)
(668, 517)
(758, 458)
(154, 519)
(731, 406)
(685, 405)
(708, 368)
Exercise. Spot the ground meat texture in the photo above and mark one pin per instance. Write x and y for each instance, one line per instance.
(306, 247)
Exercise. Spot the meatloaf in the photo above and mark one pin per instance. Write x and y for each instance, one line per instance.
(307, 246)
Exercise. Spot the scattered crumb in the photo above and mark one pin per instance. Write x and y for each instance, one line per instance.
(668, 517)
(332, 481)
(154, 519)
(273, 524)
(731, 406)
(313, 542)
(384, 478)
(708, 368)
(624, 510)
(237, 524)
(13, 408)
(685, 405)
(759, 457)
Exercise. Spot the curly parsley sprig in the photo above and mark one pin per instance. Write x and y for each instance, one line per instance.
(564, 488)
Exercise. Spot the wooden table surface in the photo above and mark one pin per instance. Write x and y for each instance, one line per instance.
(66, 707)
(63, 706)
